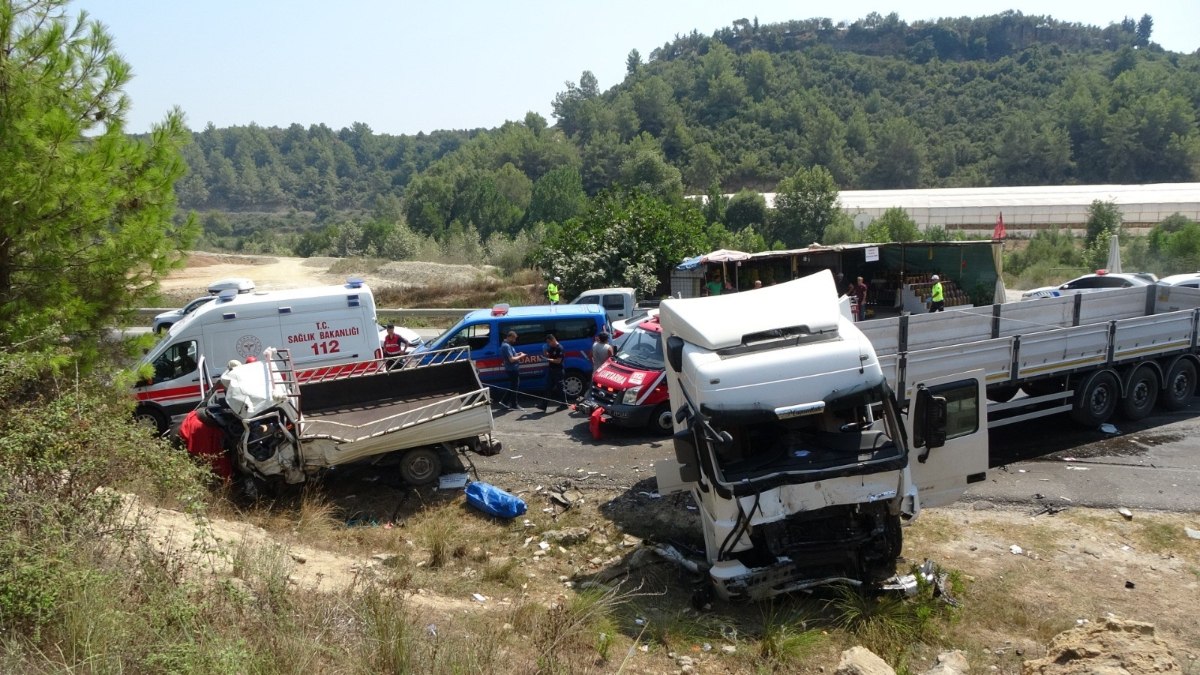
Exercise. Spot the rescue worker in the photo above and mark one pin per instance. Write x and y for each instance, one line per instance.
(394, 344)
(552, 291)
(937, 298)
(205, 439)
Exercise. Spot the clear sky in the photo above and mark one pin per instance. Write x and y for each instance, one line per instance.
(402, 66)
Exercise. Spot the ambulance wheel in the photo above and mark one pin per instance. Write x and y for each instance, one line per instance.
(162, 328)
(1142, 394)
(420, 466)
(574, 384)
(1096, 397)
(661, 419)
(153, 419)
(1180, 385)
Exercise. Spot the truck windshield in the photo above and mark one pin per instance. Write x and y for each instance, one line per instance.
(844, 438)
(642, 349)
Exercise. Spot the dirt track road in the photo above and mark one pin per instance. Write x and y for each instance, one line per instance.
(272, 273)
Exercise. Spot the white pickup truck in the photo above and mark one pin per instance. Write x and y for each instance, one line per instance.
(791, 441)
(620, 304)
(421, 410)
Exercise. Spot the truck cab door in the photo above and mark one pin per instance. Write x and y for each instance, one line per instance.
(942, 473)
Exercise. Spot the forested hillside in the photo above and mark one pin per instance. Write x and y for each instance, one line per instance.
(999, 100)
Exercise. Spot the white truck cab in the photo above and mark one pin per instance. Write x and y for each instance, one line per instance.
(799, 456)
(618, 303)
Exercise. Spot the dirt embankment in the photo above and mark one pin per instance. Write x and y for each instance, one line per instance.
(279, 272)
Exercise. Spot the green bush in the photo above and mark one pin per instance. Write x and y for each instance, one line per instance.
(67, 444)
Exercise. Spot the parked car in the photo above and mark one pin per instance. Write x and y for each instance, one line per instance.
(1189, 280)
(1100, 281)
(164, 321)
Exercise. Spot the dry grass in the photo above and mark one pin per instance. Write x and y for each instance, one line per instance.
(480, 293)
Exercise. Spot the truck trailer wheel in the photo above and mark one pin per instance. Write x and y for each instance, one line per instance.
(1180, 385)
(1141, 394)
(1096, 397)
(152, 418)
(420, 466)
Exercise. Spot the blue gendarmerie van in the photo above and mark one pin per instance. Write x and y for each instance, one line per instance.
(575, 326)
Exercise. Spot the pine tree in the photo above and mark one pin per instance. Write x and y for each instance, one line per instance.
(86, 212)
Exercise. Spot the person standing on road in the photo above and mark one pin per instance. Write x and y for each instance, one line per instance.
(512, 367)
(937, 298)
(601, 351)
(552, 290)
(554, 375)
(394, 344)
(860, 298)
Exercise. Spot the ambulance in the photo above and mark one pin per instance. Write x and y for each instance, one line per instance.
(326, 329)
(631, 387)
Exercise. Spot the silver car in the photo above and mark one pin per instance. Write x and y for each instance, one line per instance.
(164, 321)
(1089, 283)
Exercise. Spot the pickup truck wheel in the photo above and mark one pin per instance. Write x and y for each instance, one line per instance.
(1180, 385)
(661, 420)
(420, 466)
(1096, 397)
(153, 419)
(574, 384)
(1141, 394)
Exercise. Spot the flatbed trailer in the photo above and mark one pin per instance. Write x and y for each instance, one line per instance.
(1090, 355)
(421, 409)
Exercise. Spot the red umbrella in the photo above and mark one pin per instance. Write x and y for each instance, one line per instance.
(999, 232)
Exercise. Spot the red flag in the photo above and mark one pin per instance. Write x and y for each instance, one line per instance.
(999, 232)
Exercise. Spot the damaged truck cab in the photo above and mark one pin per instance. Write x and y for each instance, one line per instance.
(800, 459)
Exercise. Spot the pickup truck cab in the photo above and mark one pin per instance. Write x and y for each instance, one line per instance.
(618, 303)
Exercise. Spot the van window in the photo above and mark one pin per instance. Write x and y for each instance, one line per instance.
(528, 332)
(475, 336)
(178, 360)
(614, 301)
(573, 329)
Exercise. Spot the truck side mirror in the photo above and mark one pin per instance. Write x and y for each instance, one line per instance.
(686, 456)
(929, 421)
(675, 352)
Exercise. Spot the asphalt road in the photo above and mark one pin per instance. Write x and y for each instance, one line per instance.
(1152, 464)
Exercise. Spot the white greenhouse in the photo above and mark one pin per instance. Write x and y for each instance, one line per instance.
(1024, 209)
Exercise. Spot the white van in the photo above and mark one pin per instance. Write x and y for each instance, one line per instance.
(322, 327)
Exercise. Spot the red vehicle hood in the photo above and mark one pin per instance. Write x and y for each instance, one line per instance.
(618, 376)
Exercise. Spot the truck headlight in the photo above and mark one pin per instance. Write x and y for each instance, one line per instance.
(631, 395)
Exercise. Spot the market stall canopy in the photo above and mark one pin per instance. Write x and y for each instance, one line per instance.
(721, 255)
